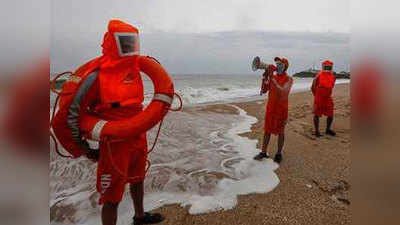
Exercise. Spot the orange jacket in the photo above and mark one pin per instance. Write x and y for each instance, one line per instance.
(110, 86)
(278, 104)
(324, 83)
(322, 90)
(276, 113)
(119, 78)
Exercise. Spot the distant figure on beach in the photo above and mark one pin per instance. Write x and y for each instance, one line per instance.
(276, 114)
(321, 88)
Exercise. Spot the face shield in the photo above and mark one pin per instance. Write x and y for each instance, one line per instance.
(327, 67)
(127, 43)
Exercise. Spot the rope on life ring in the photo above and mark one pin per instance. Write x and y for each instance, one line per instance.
(54, 81)
(108, 143)
(52, 118)
(115, 167)
(180, 104)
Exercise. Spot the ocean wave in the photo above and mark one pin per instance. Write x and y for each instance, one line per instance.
(192, 93)
(192, 96)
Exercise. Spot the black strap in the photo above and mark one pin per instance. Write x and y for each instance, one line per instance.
(115, 104)
(154, 59)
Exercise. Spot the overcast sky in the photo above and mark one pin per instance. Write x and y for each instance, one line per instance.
(208, 36)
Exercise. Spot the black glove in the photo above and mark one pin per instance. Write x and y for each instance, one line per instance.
(93, 154)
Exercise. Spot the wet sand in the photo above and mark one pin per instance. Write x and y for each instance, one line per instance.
(314, 175)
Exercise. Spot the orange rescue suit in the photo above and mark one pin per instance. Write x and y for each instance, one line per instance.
(323, 102)
(118, 94)
(276, 113)
(113, 90)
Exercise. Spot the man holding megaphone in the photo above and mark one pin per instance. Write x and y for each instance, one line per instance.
(278, 84)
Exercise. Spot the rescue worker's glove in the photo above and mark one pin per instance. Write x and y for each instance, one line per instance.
(93, 154)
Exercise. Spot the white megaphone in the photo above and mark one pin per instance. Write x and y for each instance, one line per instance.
(258, 64)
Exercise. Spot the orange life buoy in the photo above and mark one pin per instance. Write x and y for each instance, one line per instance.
(97, 129)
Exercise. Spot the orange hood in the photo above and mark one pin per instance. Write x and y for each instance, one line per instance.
(327, 63)
(110, 47)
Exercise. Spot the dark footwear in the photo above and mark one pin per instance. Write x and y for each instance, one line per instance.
(317, 134)
(149, 218)
(278, 158)
(260, 156)
(330, 132)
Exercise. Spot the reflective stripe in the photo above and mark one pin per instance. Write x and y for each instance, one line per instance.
(105, 182)
(75, 107)
(96, 132)
(164, 98)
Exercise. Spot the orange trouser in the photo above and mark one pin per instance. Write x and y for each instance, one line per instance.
(128, 165)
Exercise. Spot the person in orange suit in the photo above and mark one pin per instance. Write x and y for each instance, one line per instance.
(276, 113)
(114, 91)
(321, 88)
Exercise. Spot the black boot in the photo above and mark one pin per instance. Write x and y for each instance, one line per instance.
(148, 218)
(278, 158)
(260, 156)
(330, 132)
(317, 134)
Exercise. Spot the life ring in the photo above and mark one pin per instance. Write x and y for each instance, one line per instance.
(97, 129)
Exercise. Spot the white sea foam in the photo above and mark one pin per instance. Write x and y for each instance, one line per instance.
(251, 177)
(255, 177)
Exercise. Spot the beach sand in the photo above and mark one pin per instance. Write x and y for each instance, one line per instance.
(314, 175)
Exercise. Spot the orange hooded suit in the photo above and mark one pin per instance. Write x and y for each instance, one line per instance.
(276, 113)
(322, 89)
(113, 91)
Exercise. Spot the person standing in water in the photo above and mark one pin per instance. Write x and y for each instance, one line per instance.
(111, 91)
(278, 85)
(321, 88)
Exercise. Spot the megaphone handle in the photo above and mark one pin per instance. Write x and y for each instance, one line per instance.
(263, 83)
(265, 74)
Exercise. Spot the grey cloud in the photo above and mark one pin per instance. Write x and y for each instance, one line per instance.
(218, 52)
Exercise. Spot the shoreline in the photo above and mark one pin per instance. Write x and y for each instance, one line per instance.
(314, 176)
